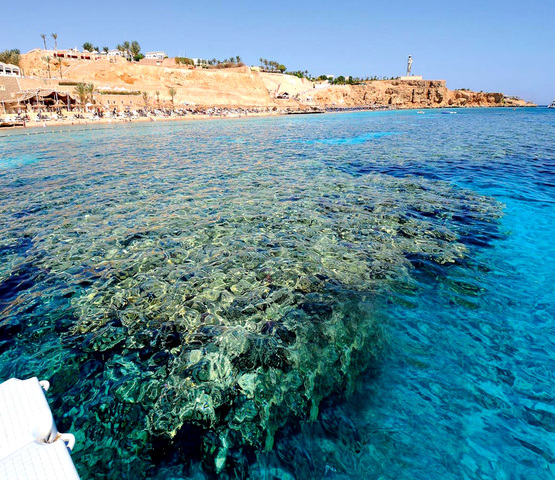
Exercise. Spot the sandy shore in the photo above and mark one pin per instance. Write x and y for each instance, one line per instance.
(123, 121)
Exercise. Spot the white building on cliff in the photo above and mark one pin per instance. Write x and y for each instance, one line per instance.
(156, 55)
(8, 70)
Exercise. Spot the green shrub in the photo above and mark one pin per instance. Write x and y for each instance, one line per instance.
(116, 92)
(184, 61)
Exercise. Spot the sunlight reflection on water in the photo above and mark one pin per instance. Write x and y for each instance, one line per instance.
(231, 275)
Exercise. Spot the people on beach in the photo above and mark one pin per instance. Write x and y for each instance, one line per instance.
(61, 117)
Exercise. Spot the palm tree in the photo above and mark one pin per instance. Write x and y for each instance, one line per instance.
(261, 60)
(88, 46)
(59, 63)
(84, 91)
(158, 98)
(43, 36)
(47, 60)
(134, 49)
(105, 49)
(172, 92)
(146, 99)
(10, 56)
(81, 91)
(55, 37)
(127, 49)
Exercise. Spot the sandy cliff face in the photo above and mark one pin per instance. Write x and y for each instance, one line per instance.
(241, 87)
(232, 87)
(279, 83)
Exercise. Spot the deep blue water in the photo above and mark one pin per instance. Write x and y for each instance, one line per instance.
(432, 239)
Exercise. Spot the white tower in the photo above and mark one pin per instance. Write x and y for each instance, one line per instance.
(409, 66)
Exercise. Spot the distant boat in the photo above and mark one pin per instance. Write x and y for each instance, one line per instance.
(448, 113)
(552, 104)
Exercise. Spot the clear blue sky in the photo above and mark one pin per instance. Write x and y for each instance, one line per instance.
(490, 45)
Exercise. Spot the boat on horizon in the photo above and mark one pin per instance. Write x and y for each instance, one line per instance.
(552, 104)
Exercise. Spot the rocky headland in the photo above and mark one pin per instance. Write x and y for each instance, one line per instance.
(411, 94)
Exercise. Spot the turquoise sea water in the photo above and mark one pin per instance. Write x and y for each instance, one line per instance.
(365, 295)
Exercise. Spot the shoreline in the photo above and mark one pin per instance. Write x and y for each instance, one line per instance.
(122, 121)
(39, 125)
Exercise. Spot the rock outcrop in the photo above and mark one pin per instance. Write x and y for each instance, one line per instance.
(410, 94)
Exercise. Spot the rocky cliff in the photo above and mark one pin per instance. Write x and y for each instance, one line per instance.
(242, 87)
(409, 94)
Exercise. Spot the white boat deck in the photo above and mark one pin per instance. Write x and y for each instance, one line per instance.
(44, 461)
(30, 445)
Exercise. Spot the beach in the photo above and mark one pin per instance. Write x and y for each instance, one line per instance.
(122, 121)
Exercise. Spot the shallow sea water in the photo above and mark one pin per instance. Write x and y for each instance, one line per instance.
(365, 295)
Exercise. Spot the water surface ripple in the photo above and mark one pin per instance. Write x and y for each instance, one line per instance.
(363, 295)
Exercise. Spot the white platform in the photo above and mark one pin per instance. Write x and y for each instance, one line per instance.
(39, 461)
(24, 415)
(30, 445)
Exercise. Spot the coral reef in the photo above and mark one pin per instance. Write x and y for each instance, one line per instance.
(238, 322)
(218, 293)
